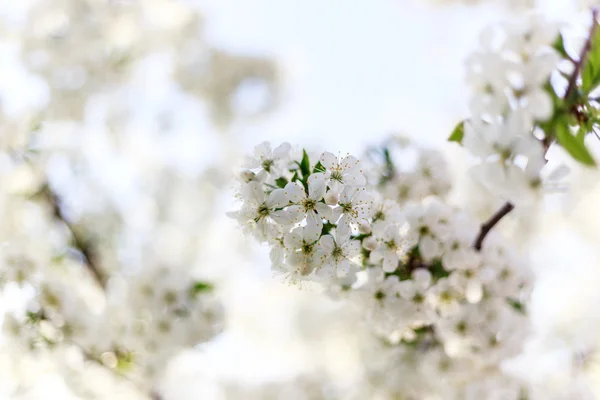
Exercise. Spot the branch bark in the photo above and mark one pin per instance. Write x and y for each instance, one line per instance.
(83, 246)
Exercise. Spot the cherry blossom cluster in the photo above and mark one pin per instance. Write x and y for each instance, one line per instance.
(411, 268)
(403, 171)
(511, 95)
(84, 47)
(294, 203)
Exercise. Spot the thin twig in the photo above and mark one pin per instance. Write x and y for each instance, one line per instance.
(79, 243)
(547, 141)
(583, 56)
(487, 227)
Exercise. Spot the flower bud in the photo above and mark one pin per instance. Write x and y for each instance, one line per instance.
(370, 243)
(331, 198)
(247, 176)
(364, 227)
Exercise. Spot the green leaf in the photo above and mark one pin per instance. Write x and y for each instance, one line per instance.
(458, 133)
(559, 46)
(305, 165)
(575, 147)
(281, 182)
(202, 287)
(581, 134)
(516, 304)
(295, 177)
(319, 167)
(590, 76)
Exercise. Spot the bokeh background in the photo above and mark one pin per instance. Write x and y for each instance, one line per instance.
(349, 74)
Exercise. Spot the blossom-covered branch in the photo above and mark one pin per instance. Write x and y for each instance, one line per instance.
(84, 247)
(571, 105)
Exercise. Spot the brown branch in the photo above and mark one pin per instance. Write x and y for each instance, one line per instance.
(79, 243)
(583, 56)
(487, 227)
(547, 141)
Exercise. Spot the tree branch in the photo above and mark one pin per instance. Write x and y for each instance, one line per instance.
(547, 141)
(582, 57)
(79, 243)
(487, 227)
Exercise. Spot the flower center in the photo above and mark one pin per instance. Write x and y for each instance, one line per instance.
(309, 205)
(337, 176)
(379, 215)
(337, 253)
(307, 248)
(267, 164)
(262, 211)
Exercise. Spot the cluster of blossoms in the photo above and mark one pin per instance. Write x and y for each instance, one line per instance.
(512, 95)
(131, 317)
(411, 268)
(100, 241)
(89, 46)
(404, 171)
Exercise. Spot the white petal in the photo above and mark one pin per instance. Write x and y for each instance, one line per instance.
(355, 179)
(263, 150)
(324, 211)
(277, 198)
(337, 212)
(474, 292)
(343, 268)
(327, 243)
(276, 254)
(376, 255)
(294, 192)
(328, 160)
(293, 240)
(342, 233)
(313, 228)
(351, 248)
(349, 164)
(429, 248)
(390, 261)
(317, 176)
(317, 189)
(282, 217)
(347, 194)
(407, 289)
(540, 104)
(422, 278)
(282, 150)
(254, 192)
(295, 214)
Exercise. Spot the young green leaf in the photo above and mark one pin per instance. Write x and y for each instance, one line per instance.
(281, 182)
(202, 287)
(574, 146)
(516, 305)
(559, 46)
(590, 76)
(319, 167)
(305, 165)
(458, 133)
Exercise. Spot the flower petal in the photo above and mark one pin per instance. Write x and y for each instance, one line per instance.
(294, 192)
(324, 211)
(312, 231)
(328, 160)
(295, 214)
(278, 198)
(293, 240)
(253, 192)
(327, 243)
(317, 189)
(282, 150)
